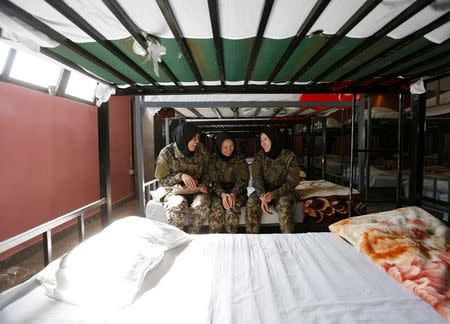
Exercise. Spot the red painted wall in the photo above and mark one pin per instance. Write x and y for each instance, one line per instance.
(49, 156)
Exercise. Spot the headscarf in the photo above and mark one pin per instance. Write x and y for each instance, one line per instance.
(275, 137)
(182, 135)
(220, 138)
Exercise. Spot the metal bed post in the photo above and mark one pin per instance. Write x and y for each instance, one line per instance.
(324, 146)
(342, 166)
(48, 251)
(166, 129)
(361, 146)
(418, 106)
(368, 146)
(81, 227)
(350, 198)
(309, 137)
(104, 161)
(399, 149)
(139, 154)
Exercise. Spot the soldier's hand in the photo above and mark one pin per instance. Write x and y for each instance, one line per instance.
(203, 189)
(268, 197)
(225, 200)
(265, 207)
(188, 181)
(232, 200)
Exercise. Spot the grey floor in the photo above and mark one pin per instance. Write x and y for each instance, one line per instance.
(21, 267)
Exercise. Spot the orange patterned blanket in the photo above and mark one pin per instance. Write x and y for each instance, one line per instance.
(411, 245)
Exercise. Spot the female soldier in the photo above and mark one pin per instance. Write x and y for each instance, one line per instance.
(185, 162)
(275, 176)
(229, 176)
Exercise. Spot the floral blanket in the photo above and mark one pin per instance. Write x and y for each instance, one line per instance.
(411, 245)
(326, 202)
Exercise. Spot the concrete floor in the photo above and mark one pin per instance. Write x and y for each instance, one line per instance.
(19, 268)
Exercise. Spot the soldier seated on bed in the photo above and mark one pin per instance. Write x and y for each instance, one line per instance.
(182, 169)
(275, 175)
(229, 177)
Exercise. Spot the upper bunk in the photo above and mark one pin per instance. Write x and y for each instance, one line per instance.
(178, 47)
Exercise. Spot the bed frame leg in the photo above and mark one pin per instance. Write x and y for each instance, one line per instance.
(47, 242)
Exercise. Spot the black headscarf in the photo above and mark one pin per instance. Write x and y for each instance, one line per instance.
(220, 138)
(275, 137)
(182, 135)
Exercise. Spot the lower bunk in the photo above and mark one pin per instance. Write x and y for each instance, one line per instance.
(154, 209)
(140, 271)
(319, 204)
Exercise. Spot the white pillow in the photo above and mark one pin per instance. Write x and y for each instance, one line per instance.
(106, 271)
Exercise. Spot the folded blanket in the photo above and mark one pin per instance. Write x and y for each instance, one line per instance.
(321, 188)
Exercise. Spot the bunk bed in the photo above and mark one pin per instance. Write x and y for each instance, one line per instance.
(381, 120)
(154, 208)
(435, 183)
(217, 279)
(202, 48)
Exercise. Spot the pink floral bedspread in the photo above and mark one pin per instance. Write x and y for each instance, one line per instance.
(411, 245)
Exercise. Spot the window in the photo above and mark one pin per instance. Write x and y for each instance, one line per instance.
(81, 86)
(4, 51)
(34, 70)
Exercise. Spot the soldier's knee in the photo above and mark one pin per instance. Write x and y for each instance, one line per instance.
(176, 201)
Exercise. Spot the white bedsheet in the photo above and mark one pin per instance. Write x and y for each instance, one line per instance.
(295, 278)
(378, 178)
(441, 189)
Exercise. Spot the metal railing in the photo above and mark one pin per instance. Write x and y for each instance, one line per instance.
(148, 187)
(45, 230)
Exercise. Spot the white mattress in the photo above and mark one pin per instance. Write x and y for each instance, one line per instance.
(378, 178)
(307, 278)
(441, 189)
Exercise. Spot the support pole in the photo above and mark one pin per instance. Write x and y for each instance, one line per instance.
(368, 147)
(104, 161)
(139, 154)
(401, 106)
(418, 105)
(324, 146)
(361, 146)
(166, 130)
(309, 139)
(350, 199)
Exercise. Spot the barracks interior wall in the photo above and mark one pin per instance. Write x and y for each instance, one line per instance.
(49, 157)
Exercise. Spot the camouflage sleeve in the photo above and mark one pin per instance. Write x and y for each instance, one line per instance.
(293, 177)
(243, 176)
(204, 177)
(162, 171)
(213, 177)
(257, 175)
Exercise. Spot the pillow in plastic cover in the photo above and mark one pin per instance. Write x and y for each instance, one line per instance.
(107, 270)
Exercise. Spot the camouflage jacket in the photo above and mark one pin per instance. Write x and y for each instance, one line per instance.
(231, 176)
(172, 163)
(279, 176)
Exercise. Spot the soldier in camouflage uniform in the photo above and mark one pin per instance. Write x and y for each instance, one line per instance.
(185, 162)
(275, 175)
(229, 176)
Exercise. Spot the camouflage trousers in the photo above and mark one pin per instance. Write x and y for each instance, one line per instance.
(284, 206)
(177, 207)
(220, 216)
